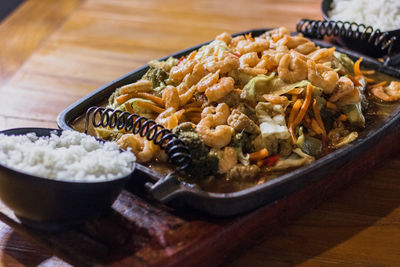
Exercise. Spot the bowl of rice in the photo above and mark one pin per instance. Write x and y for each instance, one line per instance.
(52, 179)
(380, 14)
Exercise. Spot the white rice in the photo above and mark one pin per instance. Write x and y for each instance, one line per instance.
(72, 156)
(380, 14)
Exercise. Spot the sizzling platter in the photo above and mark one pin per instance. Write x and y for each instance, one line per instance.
(291, 103)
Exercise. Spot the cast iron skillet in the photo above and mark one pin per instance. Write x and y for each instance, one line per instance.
(53, 205)
(177, 194)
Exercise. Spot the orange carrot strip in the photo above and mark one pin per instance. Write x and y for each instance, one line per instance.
(369, 80)
(318, 118)
(368, 72)
(192, 55)
(315, 126)
(123, 98)
(259, 155)
(193, 109)
(304, 107)
(342, 117)
(295, 91)
(151, 97)
(150, 106)
(379, 84)
(330, 105)
(357, 70)
(293, 114)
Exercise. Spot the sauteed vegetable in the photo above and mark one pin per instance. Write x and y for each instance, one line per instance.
(251, 107)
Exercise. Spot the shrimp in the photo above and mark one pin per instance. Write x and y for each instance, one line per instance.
(270, 60)
(227, 63)
(247, 46)
(295, 41)
(277, 34)
(344, 87)
(143, 149)
(187, 96)
(139, 86)
(220, 89)
(322, 76)
(322, 55)
(207, 81)
(306, 48)
(253, 71)
(219, 136)
(235, 41)
(179, 72)
(292, 68)
(195, 76)
(219, 114)
(170, 97)
(389, 93)
(227, 159)
(249, 64)
(225, 37)
(249, 60)
(169, 118)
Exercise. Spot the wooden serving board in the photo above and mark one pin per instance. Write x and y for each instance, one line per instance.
(140, 232)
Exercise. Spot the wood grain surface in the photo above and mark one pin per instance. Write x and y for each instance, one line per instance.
(55, 52)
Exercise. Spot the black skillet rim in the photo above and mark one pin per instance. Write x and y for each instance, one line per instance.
(73, 111)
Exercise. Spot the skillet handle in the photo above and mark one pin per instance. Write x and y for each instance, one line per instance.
(393, 61)
(167, 189)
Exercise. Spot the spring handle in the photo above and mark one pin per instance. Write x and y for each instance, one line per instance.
(178, 153)
(320, 28)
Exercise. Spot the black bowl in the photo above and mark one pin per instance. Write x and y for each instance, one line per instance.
(362, 46)
(54, 205)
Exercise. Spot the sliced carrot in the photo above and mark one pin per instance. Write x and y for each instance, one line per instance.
(151, 97)
(379, 84)
(293, 113)
(123, 98)
(369, 80)
(192, 55)
(342, 117)
(259, 155)
(150, 106)
(193, 109)
(357, 70)
(318, 118)
(315, 126)
(304, 107)
(295, 91)
(249, 37)
(330, 105)
(368, 72)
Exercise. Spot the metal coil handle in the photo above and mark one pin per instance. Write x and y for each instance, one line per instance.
(178, 153)
(320, 28)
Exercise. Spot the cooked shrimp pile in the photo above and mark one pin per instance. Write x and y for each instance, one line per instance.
(247, 105)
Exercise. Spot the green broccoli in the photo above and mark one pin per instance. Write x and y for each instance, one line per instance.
(204, 162)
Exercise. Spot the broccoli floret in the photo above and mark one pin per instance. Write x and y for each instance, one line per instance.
(204, 162)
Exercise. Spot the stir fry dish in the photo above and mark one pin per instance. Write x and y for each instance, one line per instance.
(250, 108)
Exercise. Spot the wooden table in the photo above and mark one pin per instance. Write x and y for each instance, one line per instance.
(55, 52)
